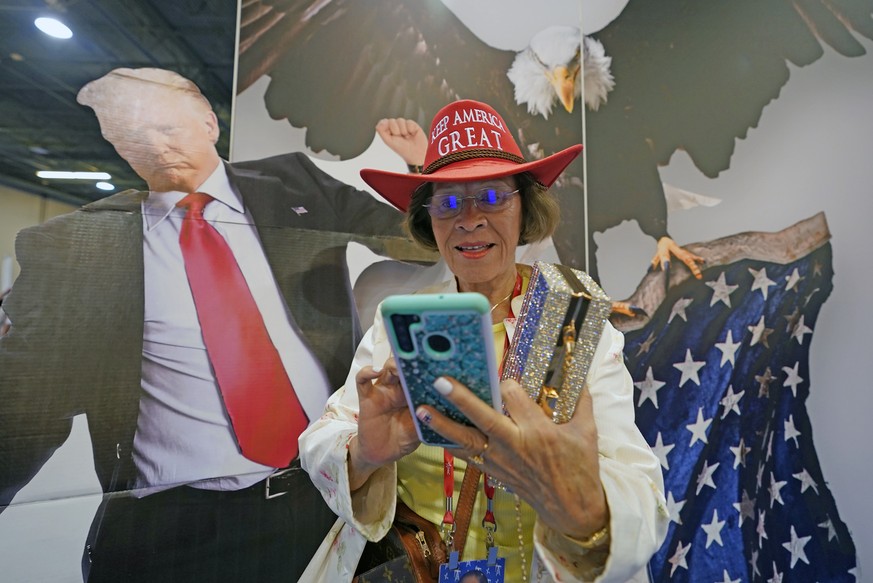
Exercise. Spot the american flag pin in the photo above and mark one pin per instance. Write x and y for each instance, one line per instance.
(300, 210)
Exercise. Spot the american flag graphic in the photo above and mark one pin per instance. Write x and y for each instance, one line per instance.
(722, 375)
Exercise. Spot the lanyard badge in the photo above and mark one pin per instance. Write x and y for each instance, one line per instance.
(489, 570)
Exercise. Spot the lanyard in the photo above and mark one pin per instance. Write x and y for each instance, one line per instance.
(489, 522)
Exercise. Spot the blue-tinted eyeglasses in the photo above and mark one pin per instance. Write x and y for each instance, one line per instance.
(489, 200)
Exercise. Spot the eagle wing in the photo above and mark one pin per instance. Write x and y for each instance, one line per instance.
(688, 76)
(400, 59)
(696, 76)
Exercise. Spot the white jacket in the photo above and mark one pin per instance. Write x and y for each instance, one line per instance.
(629, 471)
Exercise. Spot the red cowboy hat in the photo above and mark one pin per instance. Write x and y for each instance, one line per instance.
(468, 141)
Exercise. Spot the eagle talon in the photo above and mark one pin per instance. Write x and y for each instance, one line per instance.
(628, 309)
(667, 247)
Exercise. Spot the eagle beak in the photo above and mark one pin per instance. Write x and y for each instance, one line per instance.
(564, 83)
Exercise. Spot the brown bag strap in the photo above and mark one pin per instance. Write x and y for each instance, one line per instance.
(464, 513)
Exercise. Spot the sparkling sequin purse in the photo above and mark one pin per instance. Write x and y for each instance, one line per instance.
(559, 326)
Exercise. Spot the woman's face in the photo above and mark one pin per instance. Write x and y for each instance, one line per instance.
(478, 246)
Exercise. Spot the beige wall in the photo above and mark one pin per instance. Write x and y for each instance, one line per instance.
(19, 210)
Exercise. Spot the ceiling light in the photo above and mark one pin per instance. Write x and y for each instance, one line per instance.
(105, 186)
(57, 175)
(53, 27)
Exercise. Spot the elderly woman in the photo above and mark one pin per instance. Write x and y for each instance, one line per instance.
(582, 500)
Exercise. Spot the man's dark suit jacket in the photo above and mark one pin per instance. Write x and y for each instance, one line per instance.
(77, 308)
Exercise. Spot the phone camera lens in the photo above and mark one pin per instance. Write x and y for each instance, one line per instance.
(439, 343)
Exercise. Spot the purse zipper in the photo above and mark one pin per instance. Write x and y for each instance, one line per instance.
(425, 550)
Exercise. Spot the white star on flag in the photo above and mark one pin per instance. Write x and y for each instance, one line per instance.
(760, 332)
(777, 576)
(698, 428)
(674, 508)
(678, 558)
(728, 348)
(792, 279)
(793, 377)
(661, 450)
(799, 330)
(762, 282)
(754, 563)
(705, 476)
(775, 490)
(829, 526)
(689, 368)
(761, 530)
(806, 481)
(731, 401)
(795, 547)
(746, 508)
(721, 291)
(727, 578)
(713, 530)
(740, 453)
(649, 389)
(791, 432)
(679, 309)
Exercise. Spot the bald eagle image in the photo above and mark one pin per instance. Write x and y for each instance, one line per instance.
(662, 77)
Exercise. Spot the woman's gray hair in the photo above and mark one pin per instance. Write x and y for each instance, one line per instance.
(539, 218)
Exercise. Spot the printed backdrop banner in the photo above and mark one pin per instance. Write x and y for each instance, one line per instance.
(321, 77)
(722, 378)
(723, 366)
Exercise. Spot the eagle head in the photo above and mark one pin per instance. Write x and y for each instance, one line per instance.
(548, 70)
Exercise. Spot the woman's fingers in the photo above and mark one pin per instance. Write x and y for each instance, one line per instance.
(470, 440)
(364, 378)
(520, 407)
(481, 414)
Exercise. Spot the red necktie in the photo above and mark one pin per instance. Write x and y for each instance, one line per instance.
(263, 407)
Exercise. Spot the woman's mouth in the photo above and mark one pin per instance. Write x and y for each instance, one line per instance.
(474, 250)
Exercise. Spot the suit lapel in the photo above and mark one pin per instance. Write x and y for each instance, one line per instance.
(308, 264)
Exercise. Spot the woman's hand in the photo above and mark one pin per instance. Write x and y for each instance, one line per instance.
(386, 431)
(554, 468)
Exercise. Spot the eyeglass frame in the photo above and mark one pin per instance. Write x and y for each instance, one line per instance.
(475, 198)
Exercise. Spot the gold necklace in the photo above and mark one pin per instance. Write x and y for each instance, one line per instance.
(494, 307)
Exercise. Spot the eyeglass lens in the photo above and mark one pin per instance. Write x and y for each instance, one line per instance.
(487, 199)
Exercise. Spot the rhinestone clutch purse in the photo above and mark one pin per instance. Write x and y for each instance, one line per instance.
(559, 326)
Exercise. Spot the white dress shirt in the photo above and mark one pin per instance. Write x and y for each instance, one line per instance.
(183, 433)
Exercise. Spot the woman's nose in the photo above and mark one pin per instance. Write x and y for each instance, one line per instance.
(471, 216)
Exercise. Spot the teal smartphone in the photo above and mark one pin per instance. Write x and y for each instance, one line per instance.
(434, 335)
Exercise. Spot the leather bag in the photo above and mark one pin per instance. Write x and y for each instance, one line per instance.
(413, 549)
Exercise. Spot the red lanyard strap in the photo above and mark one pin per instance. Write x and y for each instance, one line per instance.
(448, 525)
(489, 522)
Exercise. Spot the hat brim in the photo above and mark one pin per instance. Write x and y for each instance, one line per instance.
(397, 188)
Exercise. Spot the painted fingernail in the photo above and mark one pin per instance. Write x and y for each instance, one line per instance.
(443, 386)
(423, 415)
